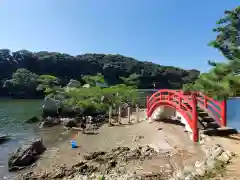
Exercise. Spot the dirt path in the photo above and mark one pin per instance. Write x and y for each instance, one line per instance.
(176, 147)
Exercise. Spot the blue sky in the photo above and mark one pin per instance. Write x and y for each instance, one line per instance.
(167, 32)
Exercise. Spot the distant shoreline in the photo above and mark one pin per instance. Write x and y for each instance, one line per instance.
(14, 97)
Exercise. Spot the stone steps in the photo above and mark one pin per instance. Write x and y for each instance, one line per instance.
(204, 120)
(209, 126)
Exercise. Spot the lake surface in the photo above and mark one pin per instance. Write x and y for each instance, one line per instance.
(233, 113)
(13, 113)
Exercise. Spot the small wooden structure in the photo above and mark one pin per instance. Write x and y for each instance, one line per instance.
(124, 112)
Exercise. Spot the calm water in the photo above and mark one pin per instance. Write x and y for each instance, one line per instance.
(233, 113)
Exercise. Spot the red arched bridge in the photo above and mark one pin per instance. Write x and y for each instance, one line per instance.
(197, 111)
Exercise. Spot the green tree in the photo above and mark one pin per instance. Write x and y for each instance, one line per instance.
(47, 83)
(132, 80)
(96, 98)
(93, 80)
(228, 37)
(23, 83)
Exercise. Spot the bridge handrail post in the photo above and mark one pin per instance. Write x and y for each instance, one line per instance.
(147, 105)
(224, 113)
(205, 101)
(180, 102)
(194, 118)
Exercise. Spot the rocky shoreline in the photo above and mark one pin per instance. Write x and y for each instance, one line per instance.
(26, 155)
(115, 165)
(111, 165)
(216, 158)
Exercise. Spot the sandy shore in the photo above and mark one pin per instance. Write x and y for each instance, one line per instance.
(163, 137)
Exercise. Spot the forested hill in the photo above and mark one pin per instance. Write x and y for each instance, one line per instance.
(115, 68)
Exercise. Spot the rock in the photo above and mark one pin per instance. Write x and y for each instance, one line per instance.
(49, 122)
(112, 164)
(89, 119)
(120, 149)
(26, 156)
(3, 138)
(69, 122)
(32, 120)
(190, 177)
(74, 84)
(186, 174)
(230, 154)
(200, 168)
(210, 163)
(88, 168)
(50, 107)
(133, 154)
(44, 124)
(94, 155)
(188, 170)
(217, 150)
(147, 152)
(86, 86)
(224, 157)
(147, 176)
(179, 175)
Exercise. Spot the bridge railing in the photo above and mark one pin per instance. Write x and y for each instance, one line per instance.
(216, 109)
(186, 104)
(173, 98)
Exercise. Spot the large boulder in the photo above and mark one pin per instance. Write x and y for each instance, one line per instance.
(74, 84)
(25, 156)
(50, 107)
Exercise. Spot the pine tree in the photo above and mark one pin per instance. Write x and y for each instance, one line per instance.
(223, 80)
